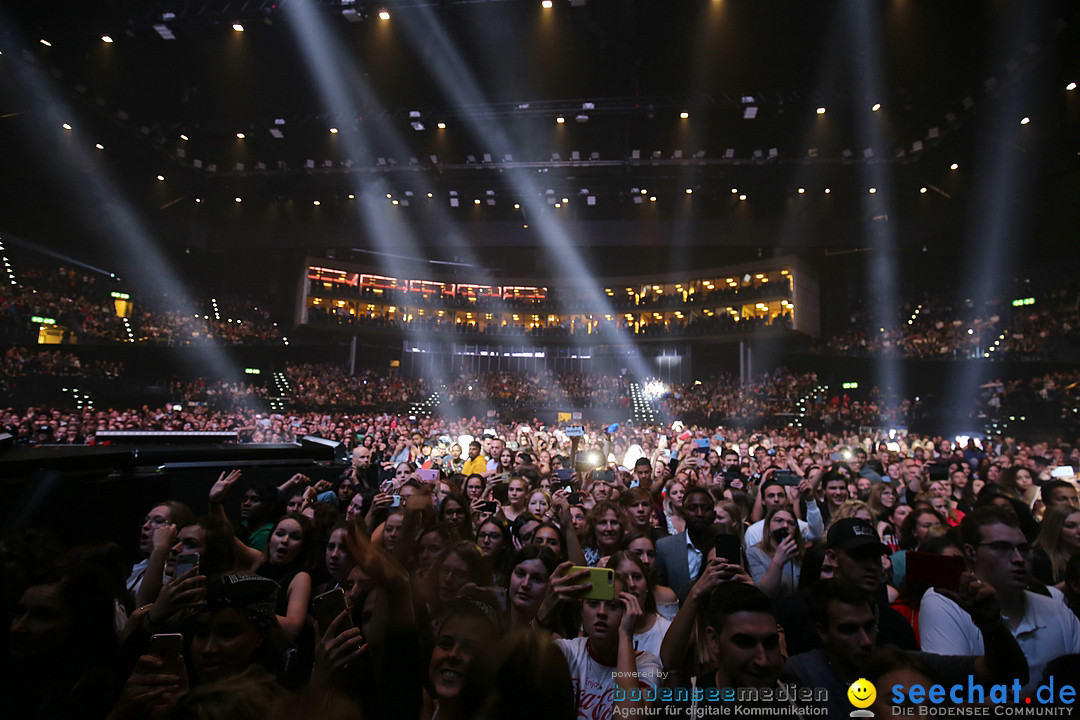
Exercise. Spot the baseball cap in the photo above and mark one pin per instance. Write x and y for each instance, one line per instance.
(254, 596)
(854, 534)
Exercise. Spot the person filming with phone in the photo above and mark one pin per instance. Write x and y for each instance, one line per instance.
(776, 560)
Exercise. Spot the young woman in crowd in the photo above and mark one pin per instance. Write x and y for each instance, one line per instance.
(603, 660)
(539, 502)
(505, 462)
(1057, 544)
(454, 511)
(776, 561)
(516, 496)
(527, 583)
(287, 561)
(475, 485)
(336, 558)
(882, 500)
(671, 502)
(650, 628)
(459, 565)
(466, 627)
(433, 541)
(643, 546)
(961, 490)
(497, 544)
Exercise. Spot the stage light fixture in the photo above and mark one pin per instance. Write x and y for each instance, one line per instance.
(106, 39)
(99, 146)
(66, 126)
(183, 137)
(1025, 120)
(240, 136)
(802, 190)
(384, 15)
(876, 107)
(441, 126)
(160, 178)
(1071, 86)
(238, 200)
(238, 27)
(560, 119)
(684, 115)
(873, 190)
(316, 203)
(333, 131)
(546, 4)
(954, 166)
(922, 191)
(821, 111)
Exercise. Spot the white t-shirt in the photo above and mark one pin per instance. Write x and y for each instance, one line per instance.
(1048, 630)
(594, 683)
(650, 640)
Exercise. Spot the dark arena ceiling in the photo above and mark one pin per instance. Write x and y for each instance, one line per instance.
(712, 126)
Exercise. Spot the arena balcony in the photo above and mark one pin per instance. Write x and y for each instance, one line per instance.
(778, 296)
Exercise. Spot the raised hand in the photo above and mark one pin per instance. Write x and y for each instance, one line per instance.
(221, 488)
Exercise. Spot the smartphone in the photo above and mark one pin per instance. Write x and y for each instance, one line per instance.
(386, 486)
(395, 500)
(185, 562)
(937, 472)
(602, 580)
(933, 570)
(606, 476)
(779, 535)
(702, 444)
(167, 648)
(836, 457)
(729, 547)
(326, 607)
(563, 475)
(428, 475)
(488, 506)
(787, 478)
(575, 431)
(574, 498)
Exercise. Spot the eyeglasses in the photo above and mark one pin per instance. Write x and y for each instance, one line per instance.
(1007, 548)
(489, 536)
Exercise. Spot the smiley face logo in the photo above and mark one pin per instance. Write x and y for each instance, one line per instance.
(862, 693)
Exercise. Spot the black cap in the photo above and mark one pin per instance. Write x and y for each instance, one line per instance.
(854, 534)
(252, 595)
